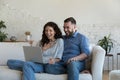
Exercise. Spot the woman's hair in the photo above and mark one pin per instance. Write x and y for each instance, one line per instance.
(58, 33)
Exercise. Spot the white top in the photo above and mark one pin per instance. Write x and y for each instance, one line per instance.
(55, 51)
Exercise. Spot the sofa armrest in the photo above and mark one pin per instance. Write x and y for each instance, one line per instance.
(98, 56)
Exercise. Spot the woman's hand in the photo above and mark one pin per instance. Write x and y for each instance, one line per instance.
(51, 61)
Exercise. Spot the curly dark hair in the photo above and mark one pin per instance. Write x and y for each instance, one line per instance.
(58, 33)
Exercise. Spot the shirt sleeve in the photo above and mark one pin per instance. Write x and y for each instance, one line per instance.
(84, 45)
(59, 49)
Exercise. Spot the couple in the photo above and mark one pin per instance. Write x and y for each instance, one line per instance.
(61, 54)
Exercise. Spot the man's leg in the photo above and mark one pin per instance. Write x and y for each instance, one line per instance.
(30, 68)
(15, 64)
(74, 68)
(57, 68)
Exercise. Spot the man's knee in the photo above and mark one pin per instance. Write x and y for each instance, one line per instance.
(72, 64)
(75, 66)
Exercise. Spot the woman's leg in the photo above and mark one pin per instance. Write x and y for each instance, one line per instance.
(15, 64)
(30, 68)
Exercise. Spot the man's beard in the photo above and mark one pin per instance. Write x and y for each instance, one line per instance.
(70, 34)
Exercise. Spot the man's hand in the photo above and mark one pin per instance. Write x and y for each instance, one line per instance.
(72, 59)
(80, 57)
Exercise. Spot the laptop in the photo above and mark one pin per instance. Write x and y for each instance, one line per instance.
(33, 54)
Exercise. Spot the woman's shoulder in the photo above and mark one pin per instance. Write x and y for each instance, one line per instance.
(59, 40)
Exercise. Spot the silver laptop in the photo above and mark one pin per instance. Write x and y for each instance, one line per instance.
(33, 54)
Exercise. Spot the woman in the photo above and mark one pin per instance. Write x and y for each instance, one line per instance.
(52, 47)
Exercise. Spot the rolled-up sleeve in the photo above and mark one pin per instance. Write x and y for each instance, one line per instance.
(84, 46)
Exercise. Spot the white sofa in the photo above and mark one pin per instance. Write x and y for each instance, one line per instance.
(15, 51)
(114, 75)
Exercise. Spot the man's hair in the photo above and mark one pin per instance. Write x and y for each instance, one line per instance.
(70, 19)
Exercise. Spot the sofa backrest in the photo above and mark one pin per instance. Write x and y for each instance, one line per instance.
(14, 50)
(11, 50)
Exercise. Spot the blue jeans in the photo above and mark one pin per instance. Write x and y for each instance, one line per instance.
(29, 68)
(73, 69)
(57, 68)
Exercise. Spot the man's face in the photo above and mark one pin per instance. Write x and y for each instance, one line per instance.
(69, 28)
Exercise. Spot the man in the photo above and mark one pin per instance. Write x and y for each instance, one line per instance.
(76, 50)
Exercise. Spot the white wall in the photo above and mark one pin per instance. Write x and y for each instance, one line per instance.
(95, 18)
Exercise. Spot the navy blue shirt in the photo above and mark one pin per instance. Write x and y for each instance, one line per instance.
(75, 45)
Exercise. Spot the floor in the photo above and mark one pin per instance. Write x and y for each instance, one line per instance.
(105, 75)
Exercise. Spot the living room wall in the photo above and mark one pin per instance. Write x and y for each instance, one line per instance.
(95, 18)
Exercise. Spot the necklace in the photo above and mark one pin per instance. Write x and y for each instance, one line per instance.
(52, 42)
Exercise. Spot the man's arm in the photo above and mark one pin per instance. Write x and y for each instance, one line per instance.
(80, 57)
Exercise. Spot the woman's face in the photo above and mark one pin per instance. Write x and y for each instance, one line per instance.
(50, 33)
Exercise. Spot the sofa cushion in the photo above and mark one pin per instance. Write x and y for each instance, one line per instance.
(6, 73)
(60, 77)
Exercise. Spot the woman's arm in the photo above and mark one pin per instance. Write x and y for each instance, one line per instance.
(58, 52)
(59, 49)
